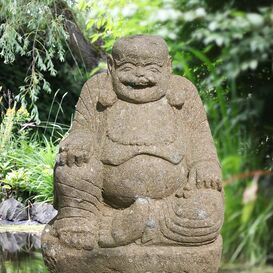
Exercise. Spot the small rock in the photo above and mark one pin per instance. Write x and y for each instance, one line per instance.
(43, 212)
(12, 210)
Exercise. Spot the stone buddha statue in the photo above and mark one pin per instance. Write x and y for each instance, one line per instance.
(137, 180)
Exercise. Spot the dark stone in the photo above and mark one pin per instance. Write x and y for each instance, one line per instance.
(43, 212)
(13, 210)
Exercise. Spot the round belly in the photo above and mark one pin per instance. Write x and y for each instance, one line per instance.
(141, 176)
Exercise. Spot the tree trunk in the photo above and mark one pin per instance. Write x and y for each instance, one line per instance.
(87, 53)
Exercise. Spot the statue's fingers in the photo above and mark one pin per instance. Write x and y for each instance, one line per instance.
(219, 184)
(61, 159)
(70, 159)
(192, 179)
(179, 193)
(79, 160)
(187, 194)
(63, 148)
(199, 181)
(86, 157)
(207, 183)
(213, 184)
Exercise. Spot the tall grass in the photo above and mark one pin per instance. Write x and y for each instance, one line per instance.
(27, 160)
(34, 161)
(28, 152)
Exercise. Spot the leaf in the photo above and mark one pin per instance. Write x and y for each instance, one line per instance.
(255, 19)
(90, 24)
(82, 4)
(247, 212)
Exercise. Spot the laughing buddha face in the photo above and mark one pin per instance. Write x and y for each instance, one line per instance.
(140, 68)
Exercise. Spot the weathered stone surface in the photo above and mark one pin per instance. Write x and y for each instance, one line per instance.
(42, 212)
(13, 210)
(137, 181)
(135, 259)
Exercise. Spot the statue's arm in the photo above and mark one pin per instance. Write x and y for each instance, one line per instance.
(202, 160)
(203, 191)
(78, 145)
(78, 172)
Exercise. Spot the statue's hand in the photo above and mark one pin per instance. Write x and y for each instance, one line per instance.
(203, 175)
(76, 233)
(206, 174)
(75, 149)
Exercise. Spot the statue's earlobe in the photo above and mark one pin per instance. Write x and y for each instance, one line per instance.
(177, 92)
(170, 64)
(110, 63)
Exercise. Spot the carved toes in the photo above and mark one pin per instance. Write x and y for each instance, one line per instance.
(77, 233)
(78, 240)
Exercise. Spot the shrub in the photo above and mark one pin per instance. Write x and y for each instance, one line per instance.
(27, 160)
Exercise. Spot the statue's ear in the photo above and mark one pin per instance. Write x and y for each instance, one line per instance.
(170, 64)
(110, 63)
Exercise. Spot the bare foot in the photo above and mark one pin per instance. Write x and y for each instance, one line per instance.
(128, 225)
(76, 233)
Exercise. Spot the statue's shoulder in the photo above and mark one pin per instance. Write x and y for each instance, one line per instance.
(181, 84)
(96, 82)
(180, 90)
(100, 88)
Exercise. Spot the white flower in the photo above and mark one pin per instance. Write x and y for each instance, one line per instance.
(250, 193)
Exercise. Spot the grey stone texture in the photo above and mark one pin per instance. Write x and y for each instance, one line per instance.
(137, 180)
(13, 210)
(42, 212)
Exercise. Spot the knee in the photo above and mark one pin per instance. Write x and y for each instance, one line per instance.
(202, 205)
(91, 171)
(196, 220)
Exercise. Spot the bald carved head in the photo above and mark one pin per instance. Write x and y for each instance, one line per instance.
(145, 48)
(140, 68)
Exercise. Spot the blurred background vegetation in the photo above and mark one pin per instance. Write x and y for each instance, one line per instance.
(48, 48)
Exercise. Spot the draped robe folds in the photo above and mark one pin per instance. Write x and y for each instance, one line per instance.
(142, 150)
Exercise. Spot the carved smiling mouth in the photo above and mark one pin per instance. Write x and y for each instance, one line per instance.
(139, 85)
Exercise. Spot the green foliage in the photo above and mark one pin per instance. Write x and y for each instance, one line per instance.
(34, 173)
(24, 263)
(26, 162)
(33, 30)
(109, 20)
(247, 227)
(242, 37)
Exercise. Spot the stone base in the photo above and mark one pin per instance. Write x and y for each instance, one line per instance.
(135, 259)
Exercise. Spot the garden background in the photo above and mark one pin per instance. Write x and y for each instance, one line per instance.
(49, 48)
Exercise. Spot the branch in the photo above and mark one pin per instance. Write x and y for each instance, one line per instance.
(247, 175)
(87, 53)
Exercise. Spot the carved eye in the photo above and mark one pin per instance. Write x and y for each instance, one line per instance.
(153, 69)
(126, 68)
